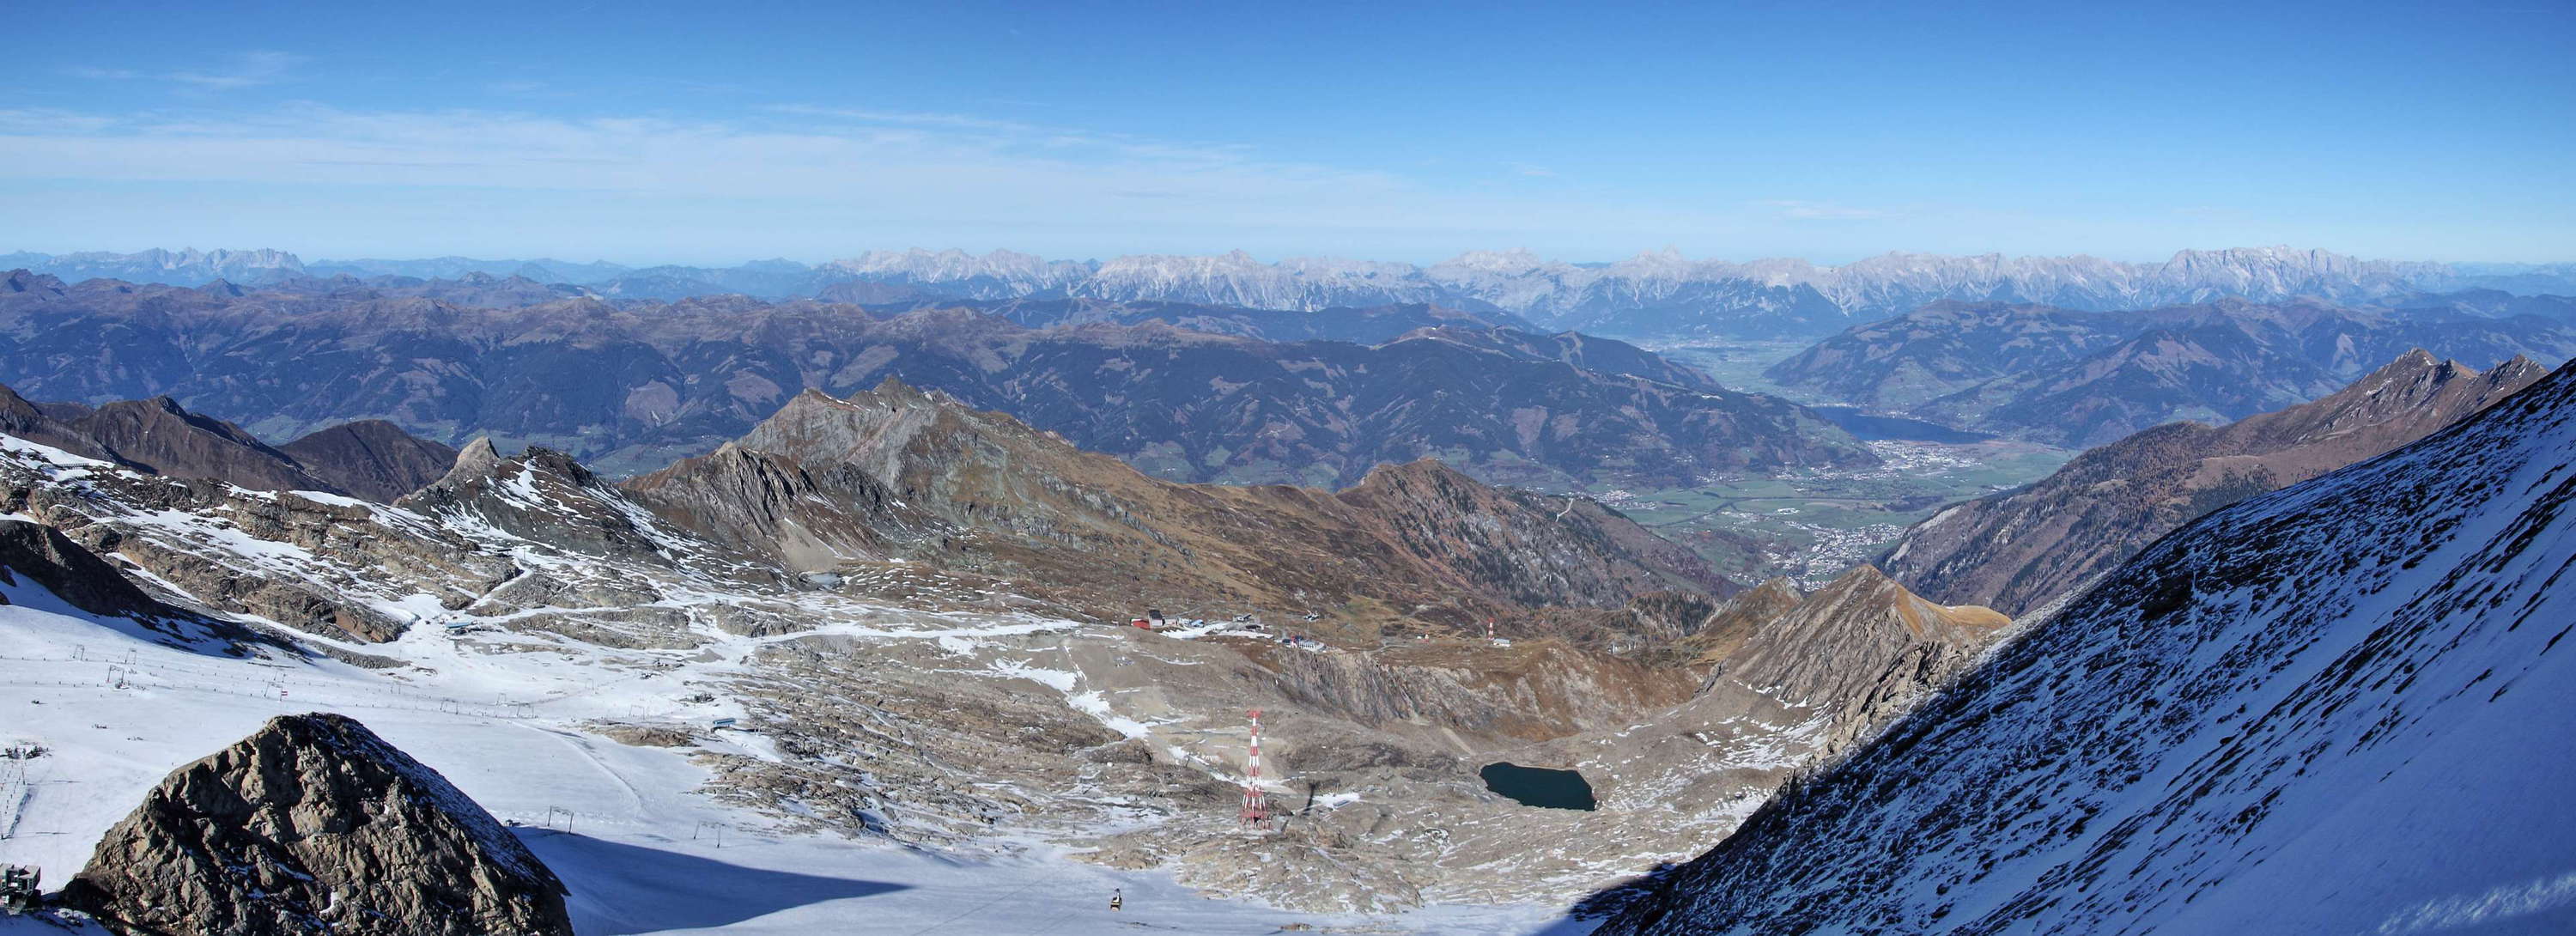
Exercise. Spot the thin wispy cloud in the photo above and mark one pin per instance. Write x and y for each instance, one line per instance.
(248, 69)
(913, 159)
(1013, 133)
(1525, 169)
(896, 168)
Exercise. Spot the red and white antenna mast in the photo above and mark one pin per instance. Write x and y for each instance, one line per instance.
(1256, 811)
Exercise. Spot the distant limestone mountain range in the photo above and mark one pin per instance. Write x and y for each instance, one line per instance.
(1653, 294)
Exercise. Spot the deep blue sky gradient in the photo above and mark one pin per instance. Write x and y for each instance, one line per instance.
(697, 132)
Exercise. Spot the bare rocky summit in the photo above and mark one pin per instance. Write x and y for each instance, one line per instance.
(315, 825)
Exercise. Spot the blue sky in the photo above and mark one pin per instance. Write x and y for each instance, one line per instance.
(715, 133)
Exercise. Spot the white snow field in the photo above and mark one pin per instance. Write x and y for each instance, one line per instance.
(641, 850)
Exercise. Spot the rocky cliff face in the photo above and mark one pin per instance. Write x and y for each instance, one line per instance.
(315, 825)
(1862, 650)
(1531, 549)
(282, 556)
(2018, 549)
(540, 495)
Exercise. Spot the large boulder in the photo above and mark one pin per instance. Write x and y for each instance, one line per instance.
(315, 825)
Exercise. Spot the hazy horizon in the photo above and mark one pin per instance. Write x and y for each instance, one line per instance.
(659, 133)
(310, 258)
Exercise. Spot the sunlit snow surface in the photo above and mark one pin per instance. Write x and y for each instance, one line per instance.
(640, 849)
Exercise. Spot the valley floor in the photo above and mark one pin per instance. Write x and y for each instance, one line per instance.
(1814, 525)
(627, 828)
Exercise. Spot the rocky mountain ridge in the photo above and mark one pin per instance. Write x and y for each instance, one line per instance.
(2018, 549)
(2076, 378)
(370, 458)
(633, 387)
(895, 473)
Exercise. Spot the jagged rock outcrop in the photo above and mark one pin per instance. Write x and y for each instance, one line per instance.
(805, 519)
(2016, 550)
(281, 556)
(1863, 649)
(371, 458)
(541, 495)
(1511, 542)
(315, 825)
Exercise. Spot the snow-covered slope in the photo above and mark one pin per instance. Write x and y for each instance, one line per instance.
(2337, 708)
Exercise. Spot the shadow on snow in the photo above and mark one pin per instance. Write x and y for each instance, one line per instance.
(620, 889)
